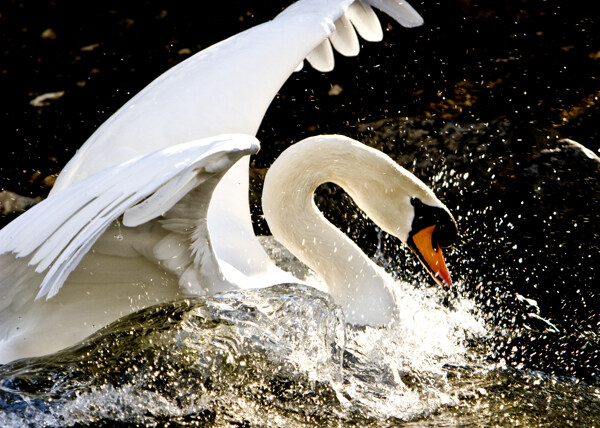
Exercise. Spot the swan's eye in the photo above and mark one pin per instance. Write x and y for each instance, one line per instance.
(445, 232)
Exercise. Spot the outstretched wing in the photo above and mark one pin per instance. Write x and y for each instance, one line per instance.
(53, 236)
(358, 17)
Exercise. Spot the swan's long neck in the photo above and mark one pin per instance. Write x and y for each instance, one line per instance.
(354, 281)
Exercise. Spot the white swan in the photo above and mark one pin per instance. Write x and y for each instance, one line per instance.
(223, 89)
(160, 249)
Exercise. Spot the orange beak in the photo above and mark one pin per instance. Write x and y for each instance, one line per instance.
(431, 257)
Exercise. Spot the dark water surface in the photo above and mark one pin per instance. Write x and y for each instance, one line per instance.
(477, 103)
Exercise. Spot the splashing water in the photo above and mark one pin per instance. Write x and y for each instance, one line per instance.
(281, 354)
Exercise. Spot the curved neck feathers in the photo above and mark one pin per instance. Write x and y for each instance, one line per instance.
(354, 281)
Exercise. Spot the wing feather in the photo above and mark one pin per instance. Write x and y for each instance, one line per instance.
(399, 10)
(344, 38)
(162, 200)
(321, 57)
(365, 21)
(360, 17)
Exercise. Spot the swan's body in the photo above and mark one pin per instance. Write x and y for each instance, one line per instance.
(154, 206)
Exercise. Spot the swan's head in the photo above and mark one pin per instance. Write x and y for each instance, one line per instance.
(420, 220)
(432, 228)
(403, 206)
